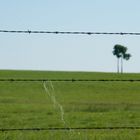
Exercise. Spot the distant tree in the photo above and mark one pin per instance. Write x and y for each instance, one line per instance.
(120, 52)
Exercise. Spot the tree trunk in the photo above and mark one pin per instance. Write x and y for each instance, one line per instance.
(118, 65)
(121, 64)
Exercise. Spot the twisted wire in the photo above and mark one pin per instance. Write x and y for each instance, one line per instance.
(68, 32)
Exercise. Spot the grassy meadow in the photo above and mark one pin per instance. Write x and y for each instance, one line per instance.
(85, 105)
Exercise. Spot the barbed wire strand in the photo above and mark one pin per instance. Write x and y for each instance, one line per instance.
(70, 80)
(68, 32)
(77, 128)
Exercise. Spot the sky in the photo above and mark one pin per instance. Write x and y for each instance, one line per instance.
(68, 52)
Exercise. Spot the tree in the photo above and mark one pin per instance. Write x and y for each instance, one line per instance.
(120, 52)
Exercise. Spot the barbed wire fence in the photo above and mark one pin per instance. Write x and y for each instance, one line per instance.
(68, 80)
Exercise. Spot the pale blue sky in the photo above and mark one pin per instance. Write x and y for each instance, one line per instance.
(68, 52)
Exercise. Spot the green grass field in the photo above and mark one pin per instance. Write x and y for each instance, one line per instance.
(85, 105)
